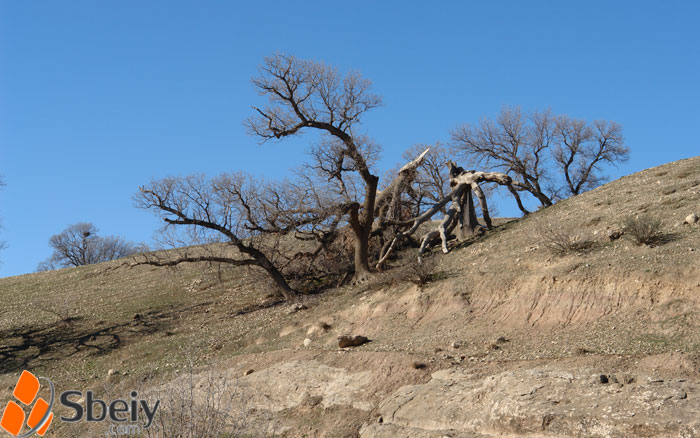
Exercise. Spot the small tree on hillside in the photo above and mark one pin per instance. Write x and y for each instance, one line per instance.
(80, 245)
(551, 156)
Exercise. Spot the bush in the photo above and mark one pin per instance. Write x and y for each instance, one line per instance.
(562, 241)
(421, 271)
(644, 229)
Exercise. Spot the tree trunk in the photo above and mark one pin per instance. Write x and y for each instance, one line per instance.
(468, 215)
(362, 271)
(484, 206)
(362, 227)
(261, 259)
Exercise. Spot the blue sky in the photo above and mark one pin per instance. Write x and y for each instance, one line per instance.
(97, 98)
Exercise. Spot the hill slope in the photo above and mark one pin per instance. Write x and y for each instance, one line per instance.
(509, 338)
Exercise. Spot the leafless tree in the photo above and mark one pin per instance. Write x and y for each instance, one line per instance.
(306, 95)
(581, 149)
(248, 218)
(537, 147)
(80, 245)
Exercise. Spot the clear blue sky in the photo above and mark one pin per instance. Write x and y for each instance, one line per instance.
(98, 97)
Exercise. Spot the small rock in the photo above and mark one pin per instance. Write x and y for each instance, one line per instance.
(615, 234)
(248, 372)
(307, 342)
(456, 344)
(137, 316)
(603, 379)
(112, 375)
(351, 341)
(419, 365)
(296, 308)
(691, 219)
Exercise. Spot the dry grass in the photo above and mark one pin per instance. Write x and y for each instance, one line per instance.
(645, 230)
(562, 241)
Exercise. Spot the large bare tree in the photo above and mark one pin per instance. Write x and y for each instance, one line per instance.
(551, 156)
(308, 95)
(247, 215)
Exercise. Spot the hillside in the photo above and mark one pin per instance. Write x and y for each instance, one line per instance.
(508, 339)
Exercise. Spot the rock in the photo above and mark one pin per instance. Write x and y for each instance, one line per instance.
(534, 402)
(603, 379)
(248, 372)
(615, 234)
(691, 219)
(307, 342)
(456, 344)
(419, 365)
(294, 308)
(318, 328)
(351, 341)
(112, 375)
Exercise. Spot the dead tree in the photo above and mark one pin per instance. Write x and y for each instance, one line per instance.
(462, 211)
(389, 203)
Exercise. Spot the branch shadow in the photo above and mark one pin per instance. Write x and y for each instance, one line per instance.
(24, 347)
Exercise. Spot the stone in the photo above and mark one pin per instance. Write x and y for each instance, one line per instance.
(691, 219)
(248, 372)
(294, 308)
(307, 342)
(351, 341)
(615, 234)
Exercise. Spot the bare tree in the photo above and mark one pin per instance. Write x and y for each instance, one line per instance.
(582, 148)
(538, 147)
(311, 95)
(511, 145)
(80, 245)
(247, 215)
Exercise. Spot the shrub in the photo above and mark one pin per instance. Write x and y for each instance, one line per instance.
(562, 241)
(644, 229)
(421, 271)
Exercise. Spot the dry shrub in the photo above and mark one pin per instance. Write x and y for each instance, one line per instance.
(420, 271)
(644, 229)
(562, 241)
(200, 405)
